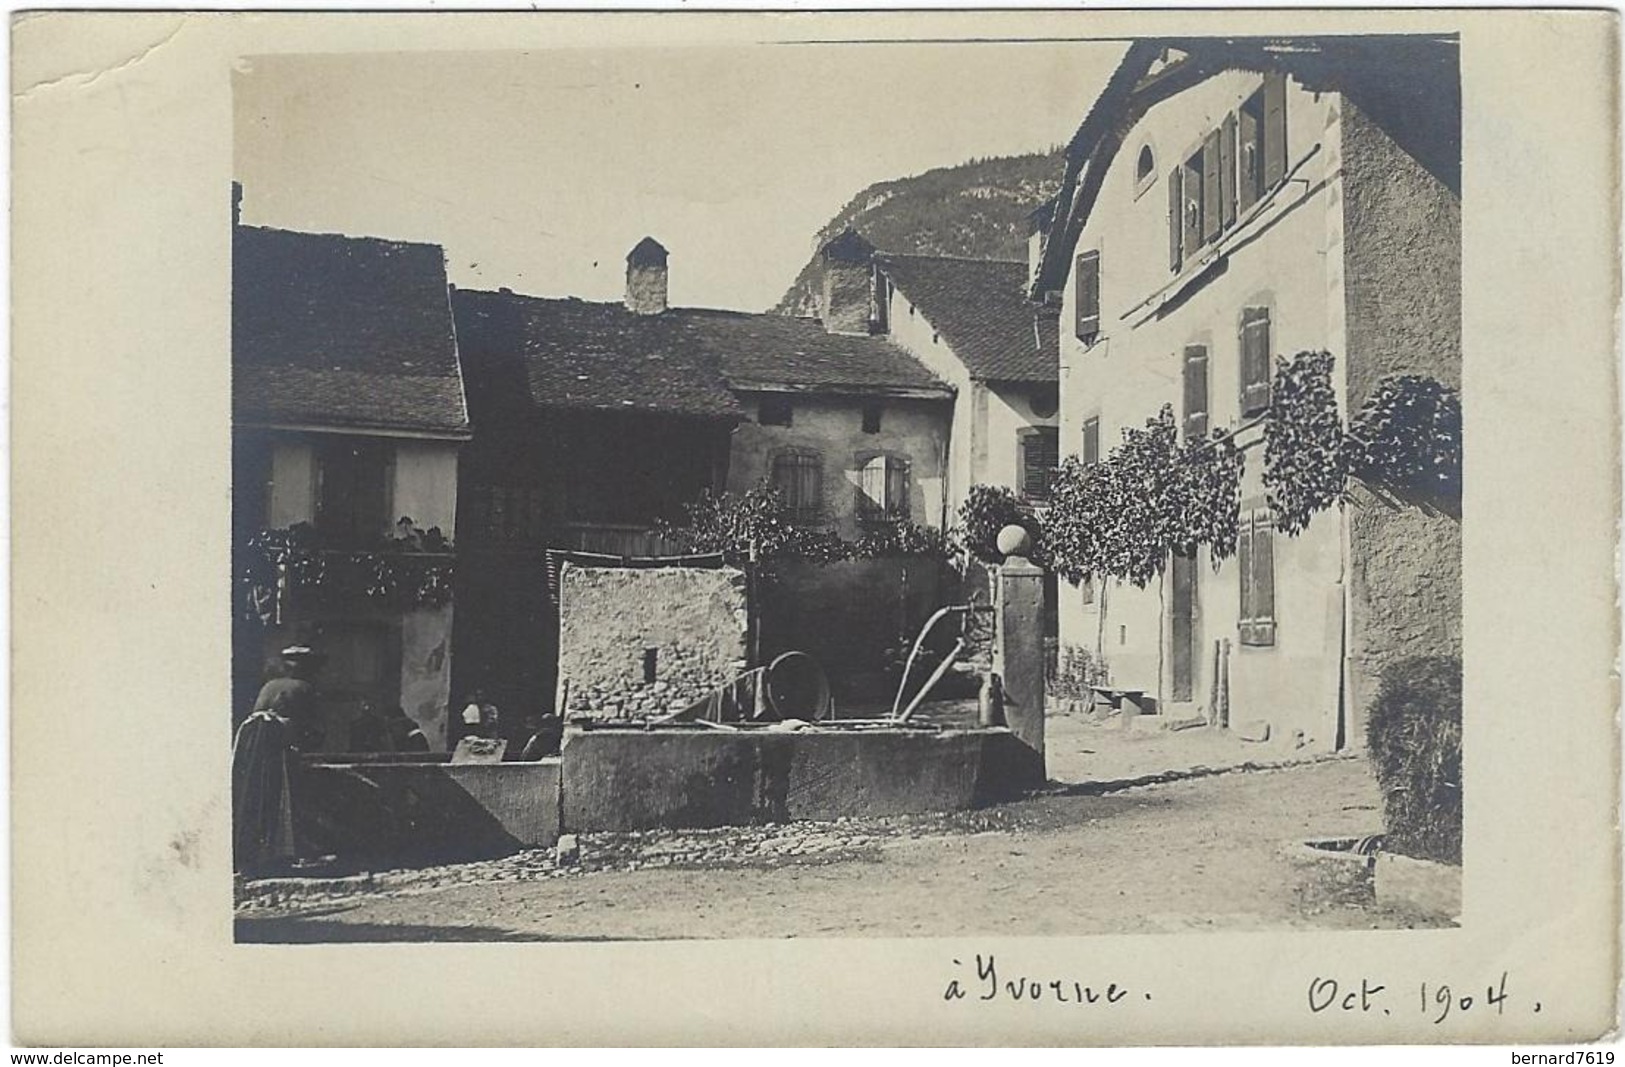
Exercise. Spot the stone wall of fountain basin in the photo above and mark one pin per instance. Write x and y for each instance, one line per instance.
(630, 779)
(633, 779)
(427, 811)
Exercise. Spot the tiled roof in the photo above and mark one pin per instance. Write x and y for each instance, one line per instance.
(564, 353)
(980, 308)
(799, 353)
(540, 352)
(344, 332)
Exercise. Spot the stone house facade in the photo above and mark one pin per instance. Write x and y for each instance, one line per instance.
(348, 416)
(1226, 203)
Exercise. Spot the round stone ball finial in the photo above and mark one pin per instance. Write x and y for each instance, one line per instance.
(1014, 540)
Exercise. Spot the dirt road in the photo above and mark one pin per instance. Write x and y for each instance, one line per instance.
(1207, 853)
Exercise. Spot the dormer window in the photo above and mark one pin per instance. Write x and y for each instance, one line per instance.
(1146, 167)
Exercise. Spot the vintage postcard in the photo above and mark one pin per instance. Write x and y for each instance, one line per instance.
(1025, 528)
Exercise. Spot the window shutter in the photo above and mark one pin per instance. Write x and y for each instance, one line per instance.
(1227, 171)
(1255, 361)
(1210, 187)
(1091, 440)
(811, 481)
(1191, 206)
(872, 487)
(1244, 567)
(1087, 275)
(799, 477)
(897, 487)
(1263, 579)
(1040, 453)
(1175, 223)
(1274, 129)
(1248, 161)
(1196, 414)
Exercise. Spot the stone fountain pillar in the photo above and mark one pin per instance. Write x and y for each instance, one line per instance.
(1018, 649)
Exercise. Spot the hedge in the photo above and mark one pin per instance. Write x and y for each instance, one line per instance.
(1413, 738)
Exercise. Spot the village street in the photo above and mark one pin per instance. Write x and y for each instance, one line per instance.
(1207, 852)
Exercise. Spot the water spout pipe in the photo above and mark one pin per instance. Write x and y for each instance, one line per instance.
(936, 676)
(908, 667)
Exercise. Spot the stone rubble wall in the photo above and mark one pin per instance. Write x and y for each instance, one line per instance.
(696, 621)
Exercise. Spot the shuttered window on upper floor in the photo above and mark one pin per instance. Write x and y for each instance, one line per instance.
(1086, 277)
(1255, 360)
(1040, 456)
(1196, 404)
(1239, 161)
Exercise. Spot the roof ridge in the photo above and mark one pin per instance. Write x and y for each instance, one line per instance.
(505, 291)
(957, 259)
(372, 238)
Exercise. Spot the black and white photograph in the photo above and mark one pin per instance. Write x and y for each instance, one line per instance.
(953, 528)
(797, 491)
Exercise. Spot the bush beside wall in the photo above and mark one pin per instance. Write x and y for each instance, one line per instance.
(1413, 737)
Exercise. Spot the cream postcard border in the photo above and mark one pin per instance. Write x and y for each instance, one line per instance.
(122, 146)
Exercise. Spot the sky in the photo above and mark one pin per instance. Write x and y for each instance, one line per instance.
(540, 170)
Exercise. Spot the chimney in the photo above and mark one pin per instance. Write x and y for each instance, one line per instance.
(646, 278)
(236, 203)
(847, 304)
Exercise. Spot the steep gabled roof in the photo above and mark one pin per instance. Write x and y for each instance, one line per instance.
(340, 332)
(1409, 84)
(981, 310)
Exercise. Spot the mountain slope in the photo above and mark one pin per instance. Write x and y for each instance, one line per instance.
(977, 209)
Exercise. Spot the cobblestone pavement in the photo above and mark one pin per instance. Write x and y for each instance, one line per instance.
(1212, 852)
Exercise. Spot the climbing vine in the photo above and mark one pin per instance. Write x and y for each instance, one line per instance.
(900, 537)
(735, 523)
(987, 509)
(1149, 496)
(411, 569)
(1305, 462)
(1212, 471)
(1407, 435)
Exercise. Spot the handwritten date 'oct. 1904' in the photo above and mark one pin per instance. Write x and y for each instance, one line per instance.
(1435, 999)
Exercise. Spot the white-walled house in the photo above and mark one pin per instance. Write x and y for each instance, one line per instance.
(969, 321)
(969, 324)
(348, 414)
(1226, 203)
